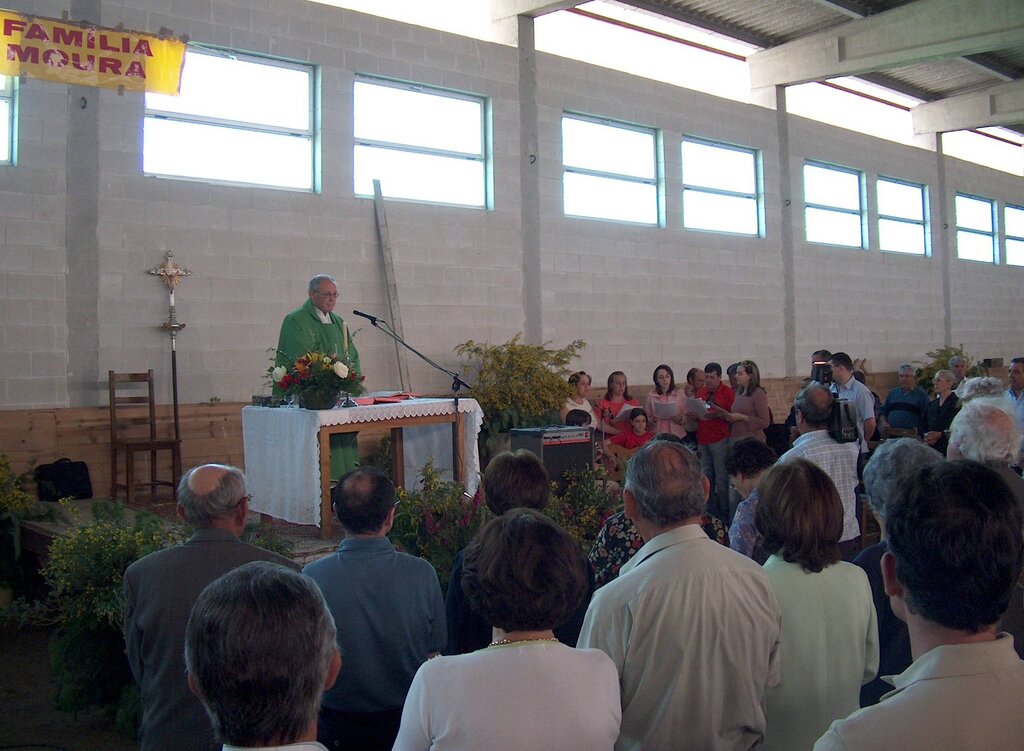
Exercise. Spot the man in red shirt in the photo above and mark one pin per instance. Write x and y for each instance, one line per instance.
(713, 438)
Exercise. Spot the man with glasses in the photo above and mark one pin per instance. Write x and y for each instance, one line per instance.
(389, 612)
(160, 590)
(314, 327)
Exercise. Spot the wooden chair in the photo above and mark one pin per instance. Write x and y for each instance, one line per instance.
(133, 430)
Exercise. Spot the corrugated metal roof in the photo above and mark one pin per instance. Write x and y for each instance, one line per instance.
(769, 23)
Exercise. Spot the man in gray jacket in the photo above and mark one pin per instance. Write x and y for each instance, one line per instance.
(160, 590)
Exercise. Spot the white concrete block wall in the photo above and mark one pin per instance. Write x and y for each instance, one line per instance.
(33, 255)
(884, 306)
(638, 295)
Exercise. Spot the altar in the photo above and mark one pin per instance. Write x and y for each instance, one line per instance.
(287, 455)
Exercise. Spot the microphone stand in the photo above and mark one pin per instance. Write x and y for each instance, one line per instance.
(457, 383)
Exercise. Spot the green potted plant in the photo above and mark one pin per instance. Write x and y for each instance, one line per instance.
(517, 384)
(14, 503)
(939, 360)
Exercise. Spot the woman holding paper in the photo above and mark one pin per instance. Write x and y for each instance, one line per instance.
(614, 409)
(666, 405)
(750, 414)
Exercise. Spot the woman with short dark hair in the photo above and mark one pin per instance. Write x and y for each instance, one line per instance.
(830, 633)
(526, 575)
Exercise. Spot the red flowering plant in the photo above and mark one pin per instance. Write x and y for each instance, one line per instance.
(436, 520)
(317, 378)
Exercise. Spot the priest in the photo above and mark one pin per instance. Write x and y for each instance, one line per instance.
(314, 327)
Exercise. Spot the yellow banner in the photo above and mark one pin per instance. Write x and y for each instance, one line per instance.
(71, 53)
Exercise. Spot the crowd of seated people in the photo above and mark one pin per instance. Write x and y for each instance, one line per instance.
(672, 633)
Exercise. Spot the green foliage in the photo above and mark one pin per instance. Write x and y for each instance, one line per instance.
(939, 360)
(13, 500)
(89, 665)
(266, 537)
(436, 521)
(86, 564)
(583, 506)
(518, 384)
(381, 458)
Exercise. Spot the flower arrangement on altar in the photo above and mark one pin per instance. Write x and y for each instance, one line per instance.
(317, 379)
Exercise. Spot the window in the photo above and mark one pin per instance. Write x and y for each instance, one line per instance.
(239, 119)
(7, 107)
(975, 228)
(902, 211)
(423, 144)
(610, 170)
(1013, 221)
(721, 188)
(834, 205)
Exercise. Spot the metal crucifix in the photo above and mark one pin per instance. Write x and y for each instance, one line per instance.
(170, 274)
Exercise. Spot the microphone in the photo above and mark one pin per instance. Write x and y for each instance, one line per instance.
(367, 316)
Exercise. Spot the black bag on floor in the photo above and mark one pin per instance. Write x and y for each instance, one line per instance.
(61, 479)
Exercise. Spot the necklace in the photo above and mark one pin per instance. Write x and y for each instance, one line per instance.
(506, 641)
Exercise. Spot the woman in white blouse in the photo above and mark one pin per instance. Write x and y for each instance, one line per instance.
(829, 630)
(525, 691)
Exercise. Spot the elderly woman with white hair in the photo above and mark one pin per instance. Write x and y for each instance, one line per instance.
(939, 412)
(892, 463)
(986, 432)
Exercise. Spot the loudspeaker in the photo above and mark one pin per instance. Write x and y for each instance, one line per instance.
(559, 449)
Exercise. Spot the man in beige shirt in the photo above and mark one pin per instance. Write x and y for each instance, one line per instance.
(692, 626)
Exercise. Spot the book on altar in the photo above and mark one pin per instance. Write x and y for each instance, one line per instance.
(665, 410)
(696, 407)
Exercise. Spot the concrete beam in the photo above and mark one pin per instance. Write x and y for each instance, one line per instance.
(914, 33)
(1002, 104)
(501, 9)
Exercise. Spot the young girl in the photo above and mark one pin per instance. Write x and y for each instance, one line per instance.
(637, 436)
(615, 398)
(667, 394)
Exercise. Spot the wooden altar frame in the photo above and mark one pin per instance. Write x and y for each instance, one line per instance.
(396, 425)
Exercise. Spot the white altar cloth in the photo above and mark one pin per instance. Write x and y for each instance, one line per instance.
(282, 457)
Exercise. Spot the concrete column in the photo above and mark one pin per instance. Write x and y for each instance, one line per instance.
(529, 183)
(943, 246)
(82, 242)
(786, 233)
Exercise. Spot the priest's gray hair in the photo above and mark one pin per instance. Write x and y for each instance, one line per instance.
(891, 463)
(985, 432)
(665, 480)
(202, 510)
(314, 283)
(259, 646)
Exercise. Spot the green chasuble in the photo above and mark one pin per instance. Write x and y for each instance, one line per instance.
(302, 331)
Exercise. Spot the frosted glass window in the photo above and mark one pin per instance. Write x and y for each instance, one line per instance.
(902, 227)
(975, 228)
(423, 144)
(1013, 221)
(6, 120)
(833, 205)
(610, 170)
(721, 188)
(239, 119)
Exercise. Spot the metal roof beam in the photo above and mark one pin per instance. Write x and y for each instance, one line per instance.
(685, 16)
(849, 8)
(914, 33)
(1002, 104)
(501, 9)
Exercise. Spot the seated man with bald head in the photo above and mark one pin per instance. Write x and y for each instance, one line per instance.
(160, 590)
(692, 626)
